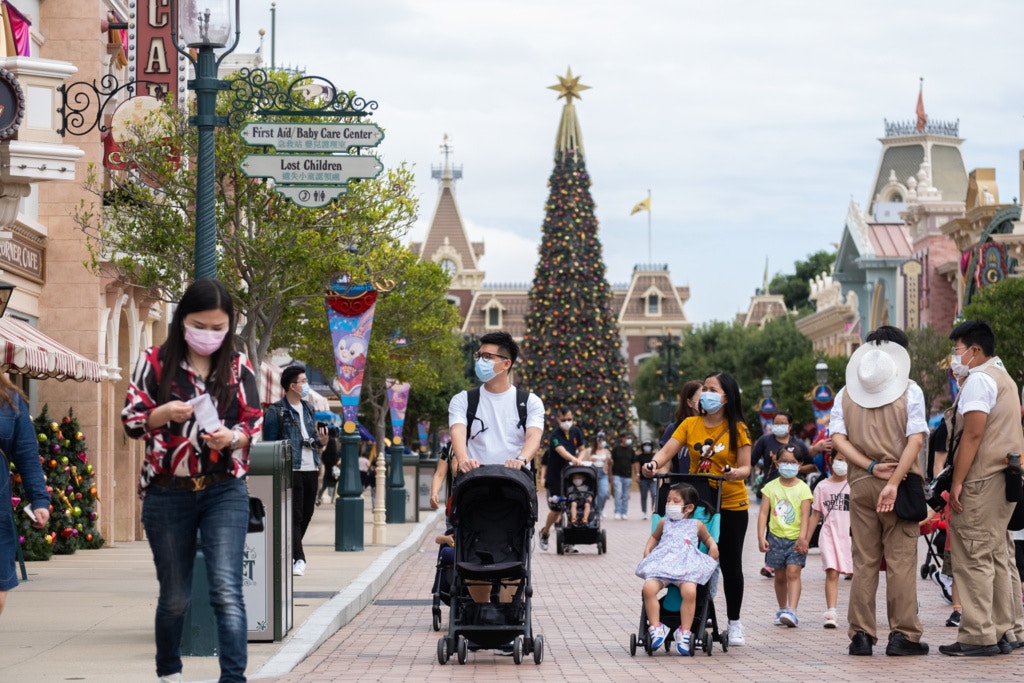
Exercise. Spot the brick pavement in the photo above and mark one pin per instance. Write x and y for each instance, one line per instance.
(586, 606)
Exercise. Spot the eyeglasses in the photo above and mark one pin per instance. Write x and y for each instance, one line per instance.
(960, 349)
(488, 356)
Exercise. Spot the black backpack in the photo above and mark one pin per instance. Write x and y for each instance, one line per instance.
(473, 400)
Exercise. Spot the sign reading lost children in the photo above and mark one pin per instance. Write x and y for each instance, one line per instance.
(313, 137)
(311, 169)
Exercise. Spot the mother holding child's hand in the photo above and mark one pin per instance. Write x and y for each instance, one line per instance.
(719, 444)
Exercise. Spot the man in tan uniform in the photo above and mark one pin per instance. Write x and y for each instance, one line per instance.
(879, 423)
(988, 428)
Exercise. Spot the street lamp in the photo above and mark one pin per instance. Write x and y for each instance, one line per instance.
(205, 25)
(768, 408)
(821, 398)
(821, 371)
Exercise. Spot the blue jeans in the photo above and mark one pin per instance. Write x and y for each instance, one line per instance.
(602, 493)
(648, 489)
(622, 488)
(171, 518)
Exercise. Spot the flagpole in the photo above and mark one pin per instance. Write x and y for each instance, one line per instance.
(650, 257)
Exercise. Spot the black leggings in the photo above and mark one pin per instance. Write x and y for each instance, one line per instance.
(730, 557)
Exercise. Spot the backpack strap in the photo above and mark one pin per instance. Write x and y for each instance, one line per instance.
(472, 401)
(522, 397)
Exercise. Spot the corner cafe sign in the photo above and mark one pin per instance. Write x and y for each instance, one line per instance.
(313, 137)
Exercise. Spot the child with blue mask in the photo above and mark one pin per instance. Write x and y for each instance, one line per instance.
(784, 533)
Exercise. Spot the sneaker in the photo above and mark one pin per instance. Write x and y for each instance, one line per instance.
(945, 584)
(643, 516)
(682, 639)
(504, 651)
(830, 619)
(571, 550)
(860, 644)
(767, 572)
(736, 634)
(788, 618)
(544, 541)
(900, 646)
(299, 568)
(954, 619)
(658, 634)
(778, 618)
(173, 678)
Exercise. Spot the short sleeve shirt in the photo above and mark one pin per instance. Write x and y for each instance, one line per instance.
(495, 435)
(785, 511)
(710, 452)
(572, 442)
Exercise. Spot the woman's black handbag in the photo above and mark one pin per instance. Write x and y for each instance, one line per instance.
(257, 513)
(911, 504)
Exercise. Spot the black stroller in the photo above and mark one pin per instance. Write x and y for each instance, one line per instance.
(588, 532)
(705, 624)
(494, 510)
(441, 591)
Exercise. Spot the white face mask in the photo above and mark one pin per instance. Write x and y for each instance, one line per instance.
(674, 512)
(780, 430)
(577, 481)
(840, 468)
(566, 426)
(957, 366)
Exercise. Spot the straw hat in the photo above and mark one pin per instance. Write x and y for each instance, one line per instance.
(877, 374)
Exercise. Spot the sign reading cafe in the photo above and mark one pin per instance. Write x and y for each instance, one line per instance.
(21, 256)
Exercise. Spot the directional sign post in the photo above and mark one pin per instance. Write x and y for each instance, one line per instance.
(313, 137)
(311, 169)
(311, 197)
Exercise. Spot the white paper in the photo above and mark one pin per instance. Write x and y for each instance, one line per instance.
(205, 413)
(28, 512)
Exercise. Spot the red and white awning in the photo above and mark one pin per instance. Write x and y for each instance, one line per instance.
(27, 351)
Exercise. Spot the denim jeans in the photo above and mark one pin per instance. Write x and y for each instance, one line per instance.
(648, 489)
(622, 489)
(171, 518)
(602, 492)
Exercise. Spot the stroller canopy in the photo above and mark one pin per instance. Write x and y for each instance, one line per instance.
(495, 487)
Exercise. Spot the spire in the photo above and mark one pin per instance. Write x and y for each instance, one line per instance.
(447, 174)
(569, 139)
(922, 118)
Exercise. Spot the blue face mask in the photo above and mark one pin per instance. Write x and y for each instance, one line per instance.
(484, 370)
(788, 470)
(710, 401)
(304, 390)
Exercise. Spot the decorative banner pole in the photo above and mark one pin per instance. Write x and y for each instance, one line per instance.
(350, 310)
(398, 400)
(768, 407)
(822, 398)
(423, 432)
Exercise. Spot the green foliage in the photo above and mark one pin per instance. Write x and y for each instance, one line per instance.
(572, 349)
(71, 480)
(1000, 305)
(795, 288)
(273, 254)
(929, 363)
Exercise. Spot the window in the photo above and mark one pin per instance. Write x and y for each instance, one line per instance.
(493, 317)
(653, 304)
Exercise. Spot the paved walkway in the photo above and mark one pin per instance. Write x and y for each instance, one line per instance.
(89, 616)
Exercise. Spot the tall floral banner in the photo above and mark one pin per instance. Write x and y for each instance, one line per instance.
(398, 401)
(822, 404)
(767, 413)
(423, 431)
(350, 311)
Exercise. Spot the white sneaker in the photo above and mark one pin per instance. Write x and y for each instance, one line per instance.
(830, 619)
(736, 634)
(299, 568)
(643, 516)
(173, 678)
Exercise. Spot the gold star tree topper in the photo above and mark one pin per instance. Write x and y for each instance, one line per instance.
(569, 86)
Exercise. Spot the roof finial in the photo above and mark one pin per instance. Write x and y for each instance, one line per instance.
(569, 140)
(446, 174)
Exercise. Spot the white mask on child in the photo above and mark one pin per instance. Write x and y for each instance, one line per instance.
(839, 468)
(577, 481)
(674, 512)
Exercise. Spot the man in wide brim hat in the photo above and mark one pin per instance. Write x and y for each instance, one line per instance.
(879, 423)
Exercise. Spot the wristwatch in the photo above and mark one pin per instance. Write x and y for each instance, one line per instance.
(236, 439)
(521, 458)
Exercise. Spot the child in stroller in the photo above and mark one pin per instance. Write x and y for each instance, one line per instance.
(579, 495)
(671, 556)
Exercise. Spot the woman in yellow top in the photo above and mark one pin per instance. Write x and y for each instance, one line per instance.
(719, 444)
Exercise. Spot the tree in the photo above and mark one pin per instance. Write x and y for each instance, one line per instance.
(273, 253)
(999, 304)
(929, 363)
(795, 288)
(413, 339)
(572, 349)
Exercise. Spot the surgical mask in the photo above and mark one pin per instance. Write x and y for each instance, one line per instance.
(604, 444)
(957, 367)
(840, 468)
(646, 449)
(204, 342)
(674, 512)
(577, 481)
(304, 390)
(780, 430)
(484, 370)
(710, 401)
(629, 442)
(566, 425)
(788, 470)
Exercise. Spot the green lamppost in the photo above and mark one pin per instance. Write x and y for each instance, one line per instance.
(205, 25)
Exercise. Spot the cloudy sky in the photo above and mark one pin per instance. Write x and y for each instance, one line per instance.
(752, 122)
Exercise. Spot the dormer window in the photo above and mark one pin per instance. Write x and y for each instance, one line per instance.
(653, 304)
(493, 314)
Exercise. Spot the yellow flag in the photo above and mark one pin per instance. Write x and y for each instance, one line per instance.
(645, 205)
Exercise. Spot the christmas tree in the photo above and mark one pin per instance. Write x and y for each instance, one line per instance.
(71, 481)
(572, 349)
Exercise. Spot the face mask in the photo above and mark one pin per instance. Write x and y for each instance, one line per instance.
(674, 512)
(957, 367)
(780, 430)
(304, 390)
(566, 425)
(840, 468)
(789, 470)
(204, 342)
(484, 370)
(629, 442)
(646, 449)
(710, 402)
(577, 481)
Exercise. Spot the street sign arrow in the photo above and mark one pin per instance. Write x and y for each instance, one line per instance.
(311, 197)
(312, 137)
(311, 169)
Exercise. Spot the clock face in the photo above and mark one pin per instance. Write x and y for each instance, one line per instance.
(449, 266)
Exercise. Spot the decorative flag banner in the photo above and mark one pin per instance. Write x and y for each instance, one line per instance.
(398, 401)
(767, 414)
(644, 205)
(423, 431)
(350, 311)
(822, 404)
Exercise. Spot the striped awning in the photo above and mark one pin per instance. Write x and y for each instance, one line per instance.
(27, 351)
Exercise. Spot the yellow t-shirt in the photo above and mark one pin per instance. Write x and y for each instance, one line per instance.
(711, 458)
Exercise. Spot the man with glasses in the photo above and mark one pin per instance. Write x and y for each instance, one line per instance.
(495, 437)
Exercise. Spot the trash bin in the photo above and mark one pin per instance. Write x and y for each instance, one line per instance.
(427, 468)
(267, 568)
(411, 471)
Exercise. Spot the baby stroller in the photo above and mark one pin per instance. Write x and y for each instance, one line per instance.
(441, 592)
(494, 510)
(705, 624)
(590, 531)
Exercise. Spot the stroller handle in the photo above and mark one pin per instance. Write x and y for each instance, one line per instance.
(678, 476)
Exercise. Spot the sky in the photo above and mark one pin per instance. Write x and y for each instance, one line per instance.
(753, 123)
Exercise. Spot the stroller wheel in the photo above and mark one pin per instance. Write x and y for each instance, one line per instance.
(724, 639)
(560, 543)
(647, 645)
(517, 650)
(437, 618)
(442, 650)
(538, 649)
(709, 642)
(462, 650)
(632, 645)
